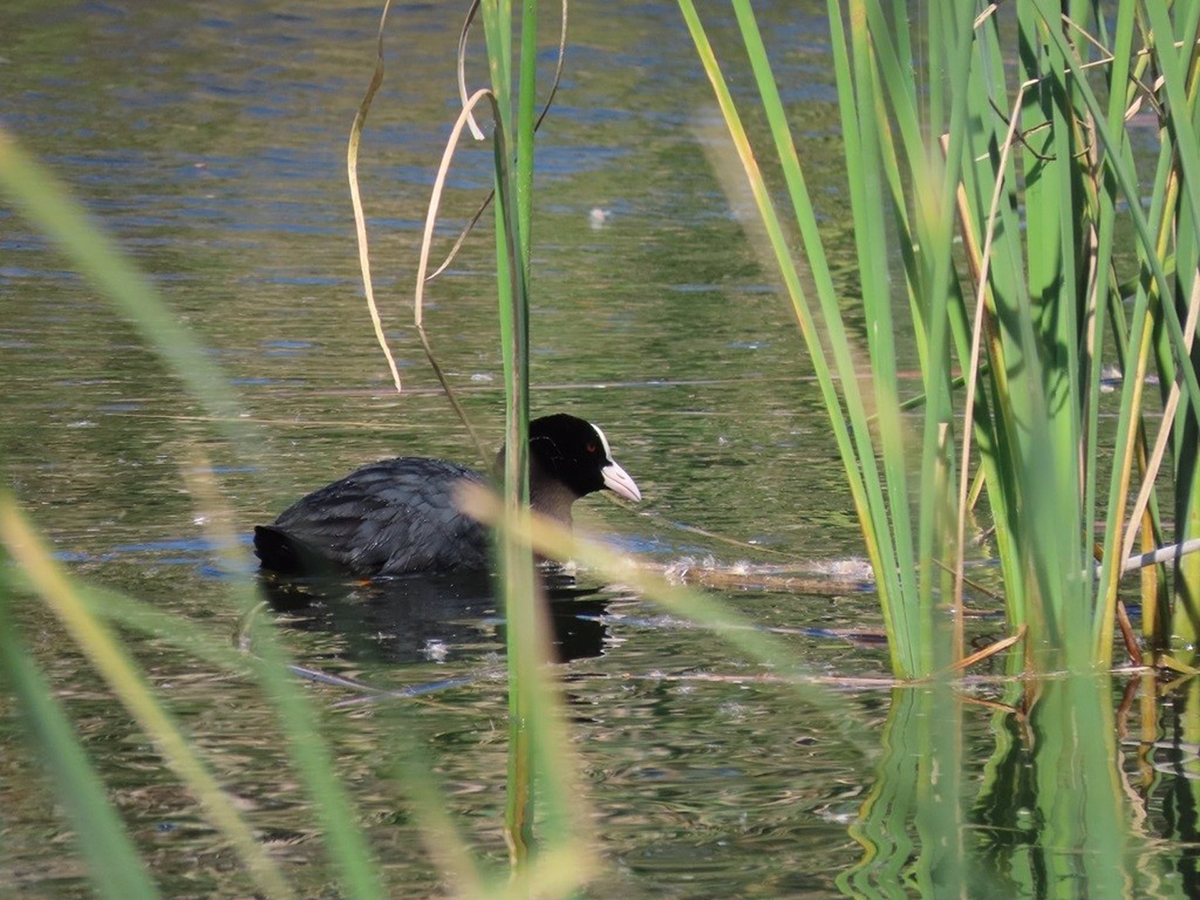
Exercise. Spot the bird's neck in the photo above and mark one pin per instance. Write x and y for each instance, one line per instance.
(553, 500)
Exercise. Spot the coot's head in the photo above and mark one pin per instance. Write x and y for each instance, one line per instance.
(569, 451)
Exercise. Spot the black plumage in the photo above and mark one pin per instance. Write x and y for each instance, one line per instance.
(398, 515)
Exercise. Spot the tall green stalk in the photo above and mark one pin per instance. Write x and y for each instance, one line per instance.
(538, 754)
(512, 206)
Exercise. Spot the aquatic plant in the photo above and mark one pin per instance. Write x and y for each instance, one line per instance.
(1008, 187)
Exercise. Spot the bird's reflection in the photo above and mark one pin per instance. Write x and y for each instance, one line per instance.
(418, 618)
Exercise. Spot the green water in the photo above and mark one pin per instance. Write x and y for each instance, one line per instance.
(210, 140)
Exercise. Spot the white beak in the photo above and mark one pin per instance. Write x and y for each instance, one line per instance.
(618, 481)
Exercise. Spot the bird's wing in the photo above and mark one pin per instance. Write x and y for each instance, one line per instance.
(390, 517)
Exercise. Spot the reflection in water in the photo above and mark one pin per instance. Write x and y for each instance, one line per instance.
(1172, 767)
(1052, 812)
(910, 824)
(427, 617)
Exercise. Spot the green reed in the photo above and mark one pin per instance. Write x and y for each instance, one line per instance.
(988, 154)
(539, 753)
(1008, 190)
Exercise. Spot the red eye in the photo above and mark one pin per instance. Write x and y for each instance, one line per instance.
(591, 448)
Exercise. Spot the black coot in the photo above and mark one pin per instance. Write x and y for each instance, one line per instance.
(398, 515)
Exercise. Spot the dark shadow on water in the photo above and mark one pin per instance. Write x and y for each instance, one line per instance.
(419, 618)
